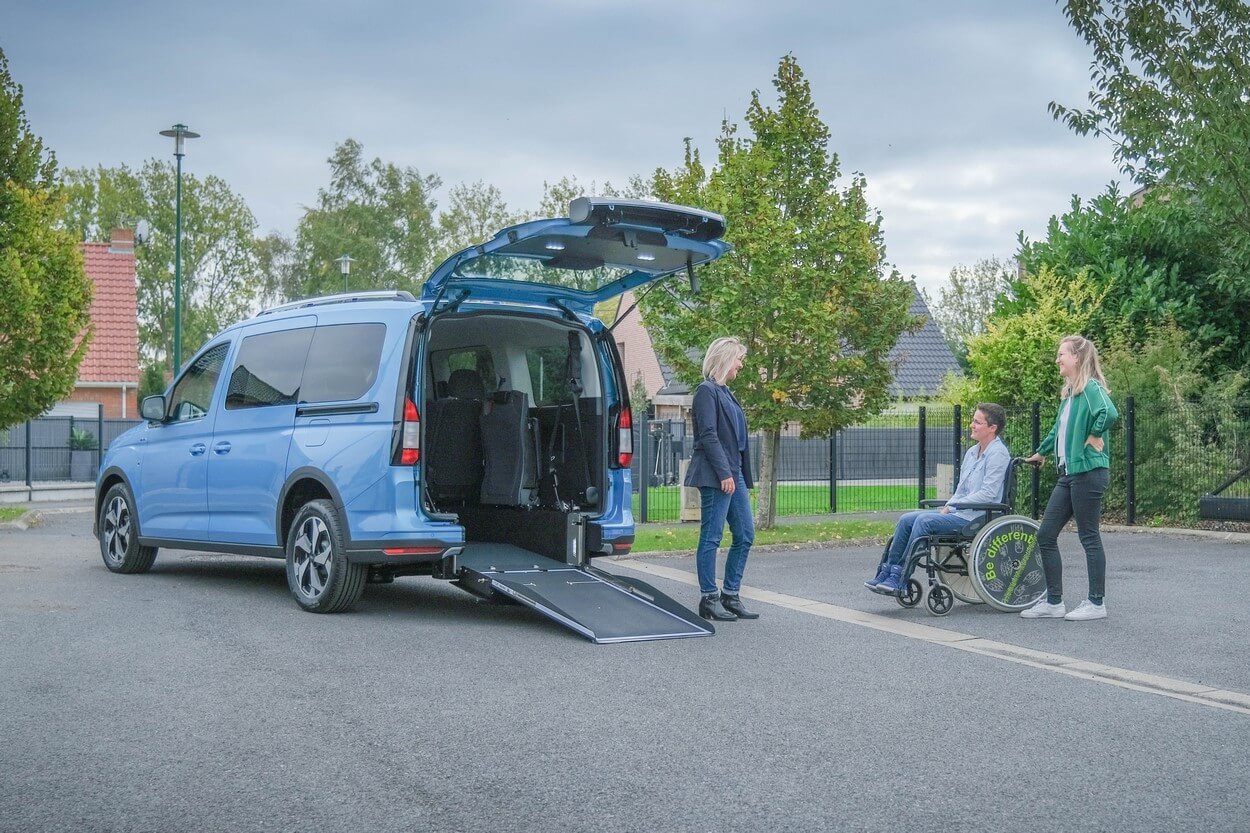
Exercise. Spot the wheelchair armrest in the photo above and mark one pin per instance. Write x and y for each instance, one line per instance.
(984, 507)
(931, 504)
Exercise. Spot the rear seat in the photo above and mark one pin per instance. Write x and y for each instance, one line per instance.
(454, 457)
(509, 440)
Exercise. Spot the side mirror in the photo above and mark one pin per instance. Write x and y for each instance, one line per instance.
(153, 408)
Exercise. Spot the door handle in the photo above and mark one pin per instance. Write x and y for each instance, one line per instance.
(222, 447)
(198, 449)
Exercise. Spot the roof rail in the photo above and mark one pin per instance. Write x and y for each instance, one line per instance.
(345, 298)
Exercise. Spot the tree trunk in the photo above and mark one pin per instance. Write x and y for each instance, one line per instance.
(766, 504)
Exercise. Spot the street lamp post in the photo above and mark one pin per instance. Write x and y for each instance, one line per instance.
(345, 266)
(178, 132)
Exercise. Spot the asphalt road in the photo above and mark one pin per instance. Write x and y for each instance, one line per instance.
(199, 697)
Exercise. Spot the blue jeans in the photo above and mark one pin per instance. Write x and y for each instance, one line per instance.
(717, 508)
(917, 525)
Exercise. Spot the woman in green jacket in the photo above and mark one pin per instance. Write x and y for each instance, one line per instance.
(1079, 440)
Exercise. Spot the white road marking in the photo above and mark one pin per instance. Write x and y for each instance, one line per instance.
(1219, 698)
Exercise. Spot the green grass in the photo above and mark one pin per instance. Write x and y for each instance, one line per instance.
(650, 538)
(664, 502)
(11, 513)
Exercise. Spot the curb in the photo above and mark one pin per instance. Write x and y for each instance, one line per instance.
(30, 518)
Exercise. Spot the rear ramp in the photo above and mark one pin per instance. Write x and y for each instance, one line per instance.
(598, 605)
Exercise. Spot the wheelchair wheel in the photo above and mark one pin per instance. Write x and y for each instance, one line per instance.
(910, 593)
(940, 600)
(950, 564)
(1004, 564)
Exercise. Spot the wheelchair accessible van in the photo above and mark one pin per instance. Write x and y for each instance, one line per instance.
(993, 561)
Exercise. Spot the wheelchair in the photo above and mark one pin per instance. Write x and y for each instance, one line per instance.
(993, 561)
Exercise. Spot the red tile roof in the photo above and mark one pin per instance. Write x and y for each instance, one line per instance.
(114, 352)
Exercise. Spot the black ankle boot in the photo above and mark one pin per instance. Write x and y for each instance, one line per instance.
(710, 608)
(734, 605)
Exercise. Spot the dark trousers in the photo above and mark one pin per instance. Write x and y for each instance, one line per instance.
(1075, 496)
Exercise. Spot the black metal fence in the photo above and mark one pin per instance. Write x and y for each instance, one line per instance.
(1164, 459)
(52, 449)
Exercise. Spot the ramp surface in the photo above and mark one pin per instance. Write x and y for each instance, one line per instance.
(598, 605)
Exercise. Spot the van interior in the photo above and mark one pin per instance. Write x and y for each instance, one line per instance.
(515, 429)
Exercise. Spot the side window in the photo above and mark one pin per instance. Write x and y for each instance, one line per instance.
(549, 375)
(268, 369)
(342, 362)
(193, 394)
(478, 359)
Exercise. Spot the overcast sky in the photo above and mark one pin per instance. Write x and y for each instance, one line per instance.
(941, 105)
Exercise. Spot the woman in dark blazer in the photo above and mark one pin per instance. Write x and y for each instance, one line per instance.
(721, 469)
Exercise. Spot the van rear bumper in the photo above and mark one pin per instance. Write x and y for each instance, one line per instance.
(401, 553)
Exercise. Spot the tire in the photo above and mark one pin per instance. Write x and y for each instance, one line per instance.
(940, 600)
(910, 594)
(321, 578)
(1005, 565)
(119, 533)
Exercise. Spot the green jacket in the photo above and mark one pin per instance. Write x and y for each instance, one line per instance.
(1092, 414)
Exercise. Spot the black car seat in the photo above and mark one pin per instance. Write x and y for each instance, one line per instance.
(454, 448)
(509, 439)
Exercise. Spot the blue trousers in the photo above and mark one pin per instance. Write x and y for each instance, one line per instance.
(917, 525)
(719, 507)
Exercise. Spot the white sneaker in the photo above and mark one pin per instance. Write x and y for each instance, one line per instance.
(1087, 610)
(1044, 610)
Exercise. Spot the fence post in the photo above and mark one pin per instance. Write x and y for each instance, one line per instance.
(1130, 464)
(1035, 476)
(644, 463)
(29, 465)
(921, 473)
(833, 471)
(99, 437)
(957, 449)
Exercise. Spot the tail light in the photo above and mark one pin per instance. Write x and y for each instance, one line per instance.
(411, 446)
(624, 438)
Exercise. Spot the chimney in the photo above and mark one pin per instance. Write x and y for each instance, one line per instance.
(122, 242)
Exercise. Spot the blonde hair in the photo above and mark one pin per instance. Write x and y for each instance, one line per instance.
(1087, 365)
(720, 356)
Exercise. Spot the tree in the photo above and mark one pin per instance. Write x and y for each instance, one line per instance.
(45, 295)
(221, 268)
(474, 213)
(1013, 361)
(379, 214)
(806, 287)
(968, 302)
(1170, 81)
(1158, 260)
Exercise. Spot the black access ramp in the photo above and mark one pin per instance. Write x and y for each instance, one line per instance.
(600, 606)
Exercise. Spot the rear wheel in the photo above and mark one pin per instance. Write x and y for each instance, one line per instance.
(119, 534)
(317, 570)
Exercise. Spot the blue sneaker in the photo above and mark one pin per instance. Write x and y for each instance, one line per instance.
(882, 571)
(893, 580)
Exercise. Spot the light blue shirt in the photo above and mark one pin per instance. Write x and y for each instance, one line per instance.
(981, 478)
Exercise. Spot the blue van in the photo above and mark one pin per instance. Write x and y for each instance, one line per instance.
(481, 433)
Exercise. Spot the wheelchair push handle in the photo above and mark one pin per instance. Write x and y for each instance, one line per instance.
(1024, 461)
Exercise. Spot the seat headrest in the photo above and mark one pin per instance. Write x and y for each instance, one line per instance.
(465, 384)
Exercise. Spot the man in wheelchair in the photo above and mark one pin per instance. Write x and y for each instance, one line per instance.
(984, 469)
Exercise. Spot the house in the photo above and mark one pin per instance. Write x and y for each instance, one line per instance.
(921, 361)
(109, 373)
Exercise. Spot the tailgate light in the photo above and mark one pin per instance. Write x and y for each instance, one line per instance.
(619, 548)
(411, 453)
(414, 550)
(624, 437)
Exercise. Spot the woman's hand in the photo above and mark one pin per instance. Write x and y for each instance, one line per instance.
(1094, 442)
(1035, 458)
(727, 486)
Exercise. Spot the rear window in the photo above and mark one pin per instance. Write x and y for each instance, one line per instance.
(342, 362)
(549, 375)
(323, 364)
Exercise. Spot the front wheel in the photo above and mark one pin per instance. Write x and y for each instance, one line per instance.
(321, 578)
(119, 534)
